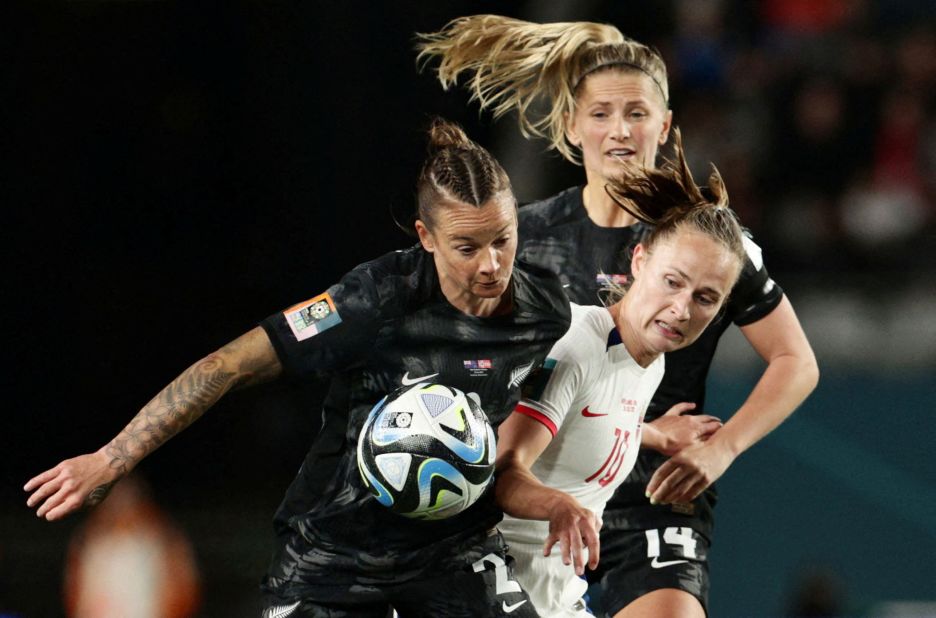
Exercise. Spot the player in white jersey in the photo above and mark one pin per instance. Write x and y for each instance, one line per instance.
(574, 436)
(592, 405)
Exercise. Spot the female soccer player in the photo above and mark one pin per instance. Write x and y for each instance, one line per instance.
(406, 317)
(605, 102)
(575, 435)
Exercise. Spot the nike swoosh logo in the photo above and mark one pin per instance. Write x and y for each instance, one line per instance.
(656, 564)
(587, 413)
(509, 608)
(408, 381)
(281, 611)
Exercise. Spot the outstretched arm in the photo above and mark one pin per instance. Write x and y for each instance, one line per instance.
(85, 480)
(790, 376)
(520, 494)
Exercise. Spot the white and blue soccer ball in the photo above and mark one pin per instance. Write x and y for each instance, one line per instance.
(427, 451)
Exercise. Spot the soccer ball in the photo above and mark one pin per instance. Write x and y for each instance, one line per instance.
(427, 451)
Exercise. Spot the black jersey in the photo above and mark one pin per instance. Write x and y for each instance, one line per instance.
(387, 324)
(558, 234)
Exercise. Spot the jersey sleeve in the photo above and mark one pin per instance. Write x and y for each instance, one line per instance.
(329, 332)
(755, 294)
(549, 393)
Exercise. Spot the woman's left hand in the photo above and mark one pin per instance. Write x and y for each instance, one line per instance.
(689, 472)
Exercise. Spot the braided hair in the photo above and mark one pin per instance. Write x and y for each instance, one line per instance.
(457, 170)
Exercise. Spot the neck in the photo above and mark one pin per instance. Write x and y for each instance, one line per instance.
(641, 355)
(471, 304)
(601, 209)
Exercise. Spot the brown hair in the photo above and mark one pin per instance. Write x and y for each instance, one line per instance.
(457, 170)
(669, 199)
(517, 64)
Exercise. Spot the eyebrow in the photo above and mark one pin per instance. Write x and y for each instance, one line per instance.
(630, 103)
(707, 289)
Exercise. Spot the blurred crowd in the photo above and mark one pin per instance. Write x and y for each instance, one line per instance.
(822, 118)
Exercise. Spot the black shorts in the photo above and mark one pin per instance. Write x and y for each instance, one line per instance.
(474, 581)
(637, 562)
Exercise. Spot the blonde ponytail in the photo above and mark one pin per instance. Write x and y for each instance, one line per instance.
(534, 69)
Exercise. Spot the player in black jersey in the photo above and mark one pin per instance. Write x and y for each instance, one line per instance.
(426, 313)
(605, 102)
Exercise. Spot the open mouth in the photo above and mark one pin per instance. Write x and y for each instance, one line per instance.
(671, 333)
(621, 154)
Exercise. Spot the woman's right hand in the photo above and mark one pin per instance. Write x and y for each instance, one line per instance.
(576, 529)
(71, 485)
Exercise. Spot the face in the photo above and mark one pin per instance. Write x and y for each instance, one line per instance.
(677, 290)
(473, 249)
(619, 116)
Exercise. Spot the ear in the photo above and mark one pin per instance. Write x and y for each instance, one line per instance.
(571, 132)
(425, 236)
(667, 125)
(638, 260)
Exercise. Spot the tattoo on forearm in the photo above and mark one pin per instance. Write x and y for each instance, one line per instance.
(172, 410)
(99, 493)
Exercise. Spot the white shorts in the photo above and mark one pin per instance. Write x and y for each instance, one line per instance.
(554, 588)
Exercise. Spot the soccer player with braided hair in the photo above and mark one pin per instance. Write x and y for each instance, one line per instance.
(602, 101)
(409, 315)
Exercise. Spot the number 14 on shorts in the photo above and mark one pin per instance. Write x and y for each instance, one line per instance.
(675, 537)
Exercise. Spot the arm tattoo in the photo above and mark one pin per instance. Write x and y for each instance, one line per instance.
(187, 397)
(172, 410)
(98, 494)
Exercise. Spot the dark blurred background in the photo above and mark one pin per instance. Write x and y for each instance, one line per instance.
(176, 171)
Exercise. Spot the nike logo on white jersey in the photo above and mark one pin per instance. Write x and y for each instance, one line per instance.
(408, 381)
(588, 413)
(657, 564)
(280, 611)
(509, 608)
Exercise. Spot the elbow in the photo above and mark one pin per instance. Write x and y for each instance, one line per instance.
(810, 372)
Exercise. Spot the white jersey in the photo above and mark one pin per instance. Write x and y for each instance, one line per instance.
(592, 397)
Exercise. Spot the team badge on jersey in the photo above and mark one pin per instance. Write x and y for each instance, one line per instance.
(313, 316)
(478, 368)
(519, 374)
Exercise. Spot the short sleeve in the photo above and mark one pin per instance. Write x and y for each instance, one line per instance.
(329, 332)
(550, 392)
(756, 294)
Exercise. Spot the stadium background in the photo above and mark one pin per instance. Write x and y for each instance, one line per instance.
(180, 170)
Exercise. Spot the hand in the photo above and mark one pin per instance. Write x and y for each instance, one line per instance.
(688, 473)
(680, 430)
(73, 484)
(575, 528)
